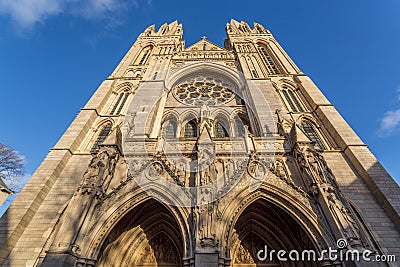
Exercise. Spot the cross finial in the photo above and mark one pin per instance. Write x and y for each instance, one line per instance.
(203, 37)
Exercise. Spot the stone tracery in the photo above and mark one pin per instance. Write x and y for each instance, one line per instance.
(204, 91)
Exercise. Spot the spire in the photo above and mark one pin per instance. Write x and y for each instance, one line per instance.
(149, 31)
(173, 28)
(235, 27)
(234, 22)
(259, 29)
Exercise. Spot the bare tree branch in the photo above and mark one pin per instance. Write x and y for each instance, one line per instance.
(11, 164)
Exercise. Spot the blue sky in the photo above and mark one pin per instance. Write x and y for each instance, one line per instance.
(55, 53)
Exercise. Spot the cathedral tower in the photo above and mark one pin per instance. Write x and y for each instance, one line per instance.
(205, 156)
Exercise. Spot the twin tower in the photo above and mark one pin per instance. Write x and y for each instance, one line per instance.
(205, 156)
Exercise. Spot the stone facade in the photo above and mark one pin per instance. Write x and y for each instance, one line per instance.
(204, 156)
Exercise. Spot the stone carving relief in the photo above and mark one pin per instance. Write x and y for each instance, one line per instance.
(321, 184)
(154, 170)
(229, 169)
(131, 125)
(207, 214)
(246, 252)
(343, 217)
(120, 175)
(99, 172)
(95, 182)
(182, 172)
(147, 256)
(285, 123)
(160, 250)
(314, 166)
(257, 170)
(243, 256)
(208, 173)
(279, 169)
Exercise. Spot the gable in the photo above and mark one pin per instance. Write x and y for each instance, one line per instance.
(204, 45)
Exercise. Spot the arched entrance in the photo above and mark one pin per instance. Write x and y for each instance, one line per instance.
(147, 236)
(265, 225)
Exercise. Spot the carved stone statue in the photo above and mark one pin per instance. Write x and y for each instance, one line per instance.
(181, 172)
(131, 125)
(98, 172)
(213, 171)
(243, 256)
(321, 183)
(314, 167)
(318, 167)
(207, 214)
(94, 183)
(229, 170)
(279, 169)
(208, 173)
(205, 121)
(343, 217)
(90, 177)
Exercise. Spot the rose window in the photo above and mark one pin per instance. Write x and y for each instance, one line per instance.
(204, 91)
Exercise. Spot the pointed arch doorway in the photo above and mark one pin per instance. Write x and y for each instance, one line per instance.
(265, 225)
(148, 236)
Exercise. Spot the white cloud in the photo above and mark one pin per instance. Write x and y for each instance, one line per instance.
(27, 13)
(96, 8)
(390, 122)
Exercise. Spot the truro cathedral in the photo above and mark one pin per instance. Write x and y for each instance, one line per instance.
(206, 156)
